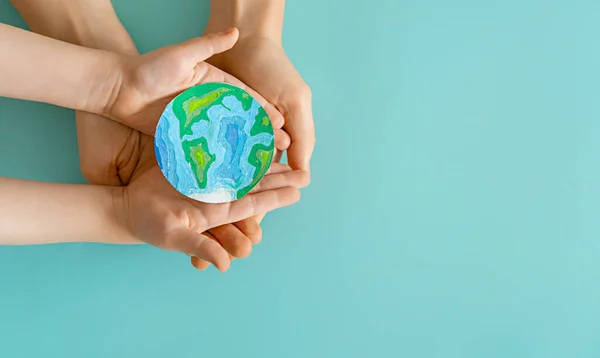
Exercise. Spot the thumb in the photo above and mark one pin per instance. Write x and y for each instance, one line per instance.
(200, 48)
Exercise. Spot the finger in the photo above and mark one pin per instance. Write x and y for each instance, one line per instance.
(251, 205)
(212, 237)
(277, 168)
(199, 263)
(259, 218)
(282, 140)
(216, 75)
(202, 264)
(200, 48)
(233, 240)
(277, 156)
(201, 246)
(299, 124)
(251, 228)
(297, 178)
(277, 119)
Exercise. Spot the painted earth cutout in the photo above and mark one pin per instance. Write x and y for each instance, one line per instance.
(214, 142)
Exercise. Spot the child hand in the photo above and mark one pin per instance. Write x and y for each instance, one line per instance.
(154, 212)
(145, 84)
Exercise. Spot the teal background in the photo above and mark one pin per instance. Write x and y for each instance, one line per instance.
(454, 209)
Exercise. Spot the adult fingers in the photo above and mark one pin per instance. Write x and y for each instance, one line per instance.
(282, 140)
(199, 263)
(278, 168)
(251, 228)
(300, 126)
(233, 240)
(199, 245)
(203, 264)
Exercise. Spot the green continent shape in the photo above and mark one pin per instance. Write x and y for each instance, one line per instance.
(246, 100)
(262, 123)
(191, 105)
(260, 157)
(194, 106)
(199, 158)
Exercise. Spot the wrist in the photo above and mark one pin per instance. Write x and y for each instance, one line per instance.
(105, 83)
(253, 18)
(120, 231)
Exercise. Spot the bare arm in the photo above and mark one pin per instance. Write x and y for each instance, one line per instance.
(42, 213)
(252, 17)
(38, 68)
(86, 23)
(109, 152)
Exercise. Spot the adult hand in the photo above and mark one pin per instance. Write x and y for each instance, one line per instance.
(262, 64)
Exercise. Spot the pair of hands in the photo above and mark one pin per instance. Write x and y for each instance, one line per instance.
(114, 154)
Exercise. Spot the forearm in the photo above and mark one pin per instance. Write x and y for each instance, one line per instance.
(89, 23)
(40, 213)
(252, 17)
(37, 68)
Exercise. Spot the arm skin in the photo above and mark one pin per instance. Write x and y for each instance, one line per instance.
(42, 213)
(258, 59)
(91, 23)
(252, 17)
(133, 90)
(38, 68)
(110, 153)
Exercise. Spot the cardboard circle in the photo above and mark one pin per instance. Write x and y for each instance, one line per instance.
(214, 142)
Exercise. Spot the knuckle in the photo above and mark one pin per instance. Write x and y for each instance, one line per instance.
(300, 96)
(305, 92)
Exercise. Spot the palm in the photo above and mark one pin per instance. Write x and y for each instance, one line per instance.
(108, 151)
(237, 238)
(159, 215)
(263, 65)
(151, 81)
